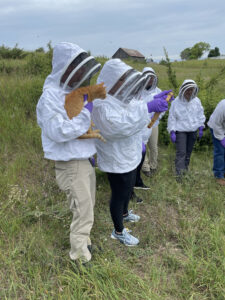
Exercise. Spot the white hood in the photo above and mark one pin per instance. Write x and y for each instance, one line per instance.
(148, 69)
(112, 70)
(151, 73)
(188, 83)
(63, 54)
(59, 133)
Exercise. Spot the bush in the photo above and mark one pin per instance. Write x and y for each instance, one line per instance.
(12, 53)
(39, 63)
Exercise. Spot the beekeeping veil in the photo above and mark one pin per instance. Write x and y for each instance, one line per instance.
(71, 67)
(187, 84)
(121, 81)
(153, 79)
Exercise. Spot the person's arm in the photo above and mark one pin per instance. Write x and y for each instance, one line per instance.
(59, 127)
(116, 124)
(200, 114)
(171, 122)
(219, 119)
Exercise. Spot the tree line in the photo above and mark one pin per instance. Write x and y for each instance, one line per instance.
(198, 50)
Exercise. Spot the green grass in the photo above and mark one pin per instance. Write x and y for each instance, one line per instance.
(182, 243)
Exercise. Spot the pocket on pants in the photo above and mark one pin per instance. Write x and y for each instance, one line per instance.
(65, 175)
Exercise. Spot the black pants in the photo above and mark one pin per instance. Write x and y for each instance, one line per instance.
(121, 187)
(139, 181)
(184, 145)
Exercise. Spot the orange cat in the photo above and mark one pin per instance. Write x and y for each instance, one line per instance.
(75, 101)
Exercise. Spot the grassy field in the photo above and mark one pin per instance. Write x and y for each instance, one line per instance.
(182, 243)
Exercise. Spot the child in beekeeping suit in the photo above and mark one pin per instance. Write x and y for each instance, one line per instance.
(186, 118)
(217, 128)
(72, 67)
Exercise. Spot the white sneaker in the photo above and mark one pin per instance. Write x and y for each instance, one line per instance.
(131, 217)
(125, 238)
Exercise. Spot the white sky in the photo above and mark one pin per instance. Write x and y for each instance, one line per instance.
(102, 26)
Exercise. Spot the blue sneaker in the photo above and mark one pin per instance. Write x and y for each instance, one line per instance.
(131, 217)
(125, 238)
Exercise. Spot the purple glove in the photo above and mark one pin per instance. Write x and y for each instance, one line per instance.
(173, 136)
(92, 161)
(88, 105)
(223, 142)
(164, 94)
(172, 98)
(143, 148)
(200, 134)
(157, 105)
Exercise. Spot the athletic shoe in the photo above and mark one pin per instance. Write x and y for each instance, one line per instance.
(125, 238)
(146, 173)
(134, 197)
(142, 187)
(131, 217)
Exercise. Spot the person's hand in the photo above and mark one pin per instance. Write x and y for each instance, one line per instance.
(143, 148)
(88, 105)
(173, 136)
(200, 133)
(223, 142)
(164, 95)
(92, 161)
(157, 105)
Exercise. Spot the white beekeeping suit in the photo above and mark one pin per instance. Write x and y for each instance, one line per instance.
(71, 67)
(147, 95)
(59, 133)
(120, 122)
(184, 115)
(217, 120)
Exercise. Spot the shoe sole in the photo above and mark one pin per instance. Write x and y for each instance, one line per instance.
(131, 221)
(114, 238)
(141, 188)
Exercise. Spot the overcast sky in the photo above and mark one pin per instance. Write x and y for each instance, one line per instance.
(102, 26)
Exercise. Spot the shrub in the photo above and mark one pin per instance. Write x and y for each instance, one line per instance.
(39, 64)
(12, 53)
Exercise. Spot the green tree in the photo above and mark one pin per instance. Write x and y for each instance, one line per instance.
(195, 52)
(185, 54)
(214, 52)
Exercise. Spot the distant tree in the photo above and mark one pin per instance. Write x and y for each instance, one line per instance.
(198, 49)
(41, 49)
(12, 53)
(195, 52)
(185, 54)
(214, 52)
(49, 46)
(163, 62)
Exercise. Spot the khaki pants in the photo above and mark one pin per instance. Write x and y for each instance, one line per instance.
(151, 162)
(77, 179)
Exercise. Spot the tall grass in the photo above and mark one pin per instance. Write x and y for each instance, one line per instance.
(181, 231)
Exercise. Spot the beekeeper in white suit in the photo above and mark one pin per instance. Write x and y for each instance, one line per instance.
(150, 163)
(71, 68)
(186, 119)
(121, 121)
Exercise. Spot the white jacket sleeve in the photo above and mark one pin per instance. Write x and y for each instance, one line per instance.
(57, 126)
(171, 123)
(115, 124)
(200, 114)
(61, 130)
